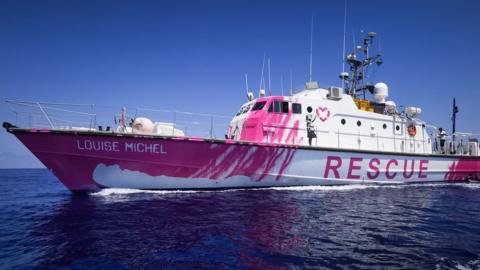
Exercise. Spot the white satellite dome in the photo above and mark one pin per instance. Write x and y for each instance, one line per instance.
(390, 107)
(381, 92)
(142, 125)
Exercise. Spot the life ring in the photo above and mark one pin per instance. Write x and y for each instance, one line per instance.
(412, 130)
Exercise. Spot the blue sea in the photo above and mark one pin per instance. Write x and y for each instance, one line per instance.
(44, 226)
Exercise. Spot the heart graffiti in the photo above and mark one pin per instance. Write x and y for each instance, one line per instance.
(323, 113)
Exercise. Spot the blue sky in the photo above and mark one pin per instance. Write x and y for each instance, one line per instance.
(192, 55)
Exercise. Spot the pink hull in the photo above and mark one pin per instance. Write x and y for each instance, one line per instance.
(90, 161)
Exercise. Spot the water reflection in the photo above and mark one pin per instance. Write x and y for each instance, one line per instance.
(181, 230)
(385, 227)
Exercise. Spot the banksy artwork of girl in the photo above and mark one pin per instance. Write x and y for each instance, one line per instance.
(310, 118)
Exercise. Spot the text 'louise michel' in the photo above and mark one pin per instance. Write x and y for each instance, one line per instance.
(113, 146)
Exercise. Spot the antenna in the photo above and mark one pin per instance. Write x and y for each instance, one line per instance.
(262, 79)
(311, 49)
(250, 95)
(281, 83)
(344, 35)
(269, 84)
(291, 82)
(379, 46)
(353, 39)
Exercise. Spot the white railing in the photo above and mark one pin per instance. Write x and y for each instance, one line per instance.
(459, 143)
(30, 114)
(192, 124)
(462, 145)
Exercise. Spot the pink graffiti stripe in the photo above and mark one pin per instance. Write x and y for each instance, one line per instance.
(182, 158)
(271, 127)
(463, 169)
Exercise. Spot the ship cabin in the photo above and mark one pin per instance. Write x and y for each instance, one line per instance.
(330, 118)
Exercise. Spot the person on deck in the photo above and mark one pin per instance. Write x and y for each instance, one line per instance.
(442, 136)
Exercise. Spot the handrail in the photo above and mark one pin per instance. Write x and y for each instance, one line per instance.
(182, 112)
(49, 103)
(52, 114)
(178, 122)
(38, 104)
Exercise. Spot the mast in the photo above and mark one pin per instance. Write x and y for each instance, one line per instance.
(355, 82)
(454, 118)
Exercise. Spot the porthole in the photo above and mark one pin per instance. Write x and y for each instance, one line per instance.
(343, 121)
(397, 127)
(384, 126)
(359, 123)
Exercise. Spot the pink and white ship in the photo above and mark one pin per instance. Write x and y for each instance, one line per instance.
(317, 136)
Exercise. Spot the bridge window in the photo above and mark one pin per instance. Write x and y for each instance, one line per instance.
(384, 126)
(343, 121)
(297, 108)
(258, 106)
(359, 123)
(278, 106)
(285, 107)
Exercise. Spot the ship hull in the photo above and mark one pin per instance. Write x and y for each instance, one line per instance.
(88, 161)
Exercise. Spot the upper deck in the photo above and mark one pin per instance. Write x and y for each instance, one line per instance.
(312, 118)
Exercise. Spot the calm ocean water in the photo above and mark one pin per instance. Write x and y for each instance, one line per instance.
(42, 225)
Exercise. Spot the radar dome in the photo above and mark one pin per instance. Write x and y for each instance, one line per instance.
(381, 92)
(142, 125)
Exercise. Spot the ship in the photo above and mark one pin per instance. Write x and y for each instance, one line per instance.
(353, 134)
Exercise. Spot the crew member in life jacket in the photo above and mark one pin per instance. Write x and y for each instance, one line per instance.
(310, 118)
(442, 136)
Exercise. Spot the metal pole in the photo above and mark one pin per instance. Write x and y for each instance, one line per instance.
(454, 116)
(94, 117)
(45, 114)
(174, 122)
(211, 127)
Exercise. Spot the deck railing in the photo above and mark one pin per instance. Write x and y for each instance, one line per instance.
(456, 144)
(33, 114)
(82, 116)
(192, 124)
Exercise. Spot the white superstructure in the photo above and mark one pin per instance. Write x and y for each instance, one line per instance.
(359, 117)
